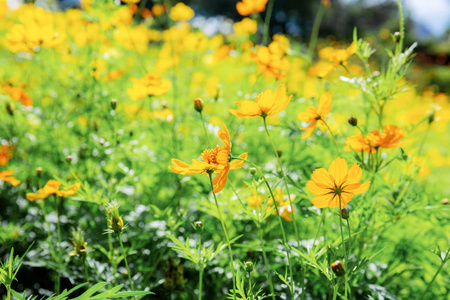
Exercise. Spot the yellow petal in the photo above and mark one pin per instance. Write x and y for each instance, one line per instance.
(338, 170)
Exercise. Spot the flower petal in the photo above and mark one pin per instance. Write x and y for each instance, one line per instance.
(338, 170)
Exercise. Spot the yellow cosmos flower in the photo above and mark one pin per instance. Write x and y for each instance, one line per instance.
(52, 188)
(267, 104)
(158, 9)
(246, 26)
(181, 12)
(6, 176)
(213, 161)
(270, 64)
(150, 85)
(334, 58)
(248, 7)
(338, 183)
(283, 205)
(390, 137)
(315, 115)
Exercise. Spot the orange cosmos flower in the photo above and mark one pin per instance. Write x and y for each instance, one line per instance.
(213, 161)
(390, 137)
(52, 188)
(19, 94)
(314, 115)
(270, 64)
(248, 7)
(338, 183)
(267, 104)
(5, 154)
(6, 176)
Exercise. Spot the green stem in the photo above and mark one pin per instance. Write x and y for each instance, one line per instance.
(291, 286)
(126, 262)
(402, 29)
(86, 274)
(343, 245)
(226, 237)
(267, 22)
(9, 292)
(285, 183)
(200, 282)
(266, 262)
(332, 135)
(58, 226)
(322, 218)
(349, 238)
(250, 284)
(444, 261)
(315, 30)
(206, 132)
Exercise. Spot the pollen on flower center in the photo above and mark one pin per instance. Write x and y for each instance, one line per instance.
(210, 155)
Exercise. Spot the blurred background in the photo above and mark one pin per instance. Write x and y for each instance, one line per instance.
(426, 21)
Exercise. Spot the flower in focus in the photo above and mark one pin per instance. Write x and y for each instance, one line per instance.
(390, 137)
(52, 188)
(181, 12)
(6, 176)
(246, 26)
(248, 7)
(268, 103)
(270, 64)
(150, 85)
(213, 161)
(314, 115)
(338, 183)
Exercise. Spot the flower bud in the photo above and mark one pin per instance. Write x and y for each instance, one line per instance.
(345, 213)
(69, 159)
(431, 118)
(10, 107)
(252, 171)
(396, 36)
(353, 121)
(113, 104)
(338, 268)
(116, 224)
(326, 3)
(445, 201)
(279, 152)
(38, 171)
(198, 104)
(198, 225)
(248, 266)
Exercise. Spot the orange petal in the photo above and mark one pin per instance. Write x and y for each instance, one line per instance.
(357, 188)
(314, 189)
(321, 176)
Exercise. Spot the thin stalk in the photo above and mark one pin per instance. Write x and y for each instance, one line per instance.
(435, 275)
(86, 274)
(401, 25)
(200, 266)
(58, 278)
(226, 236)
(266, 262)
(343, 245)
(267, 22)
(9, 292)
(285, 183)
(318, 229)
(349, 238)
(291, 287)
(315, 30)
(332, 135)
(250, 284)
(200, 282)
(126, 262)
(204, 128)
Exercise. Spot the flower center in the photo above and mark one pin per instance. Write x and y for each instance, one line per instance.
(337, 191)
(210, 155)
